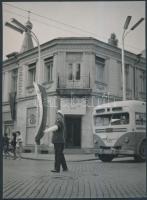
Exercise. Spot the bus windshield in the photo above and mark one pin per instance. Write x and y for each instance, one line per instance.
(111, 119)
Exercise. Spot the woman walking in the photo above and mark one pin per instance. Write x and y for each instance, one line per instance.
(19, 142)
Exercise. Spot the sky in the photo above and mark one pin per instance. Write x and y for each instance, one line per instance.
(97, 19)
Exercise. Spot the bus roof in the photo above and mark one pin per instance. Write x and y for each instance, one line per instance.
(129, 103)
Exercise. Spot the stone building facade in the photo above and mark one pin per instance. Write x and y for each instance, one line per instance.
(78, 74)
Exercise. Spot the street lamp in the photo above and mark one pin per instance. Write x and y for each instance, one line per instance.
(128, 19)
(14, 27)
(21, 29)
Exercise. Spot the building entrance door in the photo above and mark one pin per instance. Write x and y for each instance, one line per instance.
(73, 132)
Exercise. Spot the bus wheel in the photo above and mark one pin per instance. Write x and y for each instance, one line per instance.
(106, 158)
(141, 154)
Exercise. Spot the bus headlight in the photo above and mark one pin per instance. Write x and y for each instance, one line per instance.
(95, 141)
(126, 139)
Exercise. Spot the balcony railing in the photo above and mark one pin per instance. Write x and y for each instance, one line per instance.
(83, 83)
(77, 87)
(142, 95)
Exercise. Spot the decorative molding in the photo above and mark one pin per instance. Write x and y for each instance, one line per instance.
(48, 85)
(6, 103)
(100, 83)
(30, 89)
(27, 98)
(27, 63)
(72, 42)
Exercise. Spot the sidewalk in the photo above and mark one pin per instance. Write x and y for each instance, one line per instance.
(68, 157)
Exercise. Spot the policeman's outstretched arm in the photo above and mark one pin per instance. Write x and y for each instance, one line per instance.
(52, 128)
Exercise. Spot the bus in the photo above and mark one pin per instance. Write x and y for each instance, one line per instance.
(119, 129)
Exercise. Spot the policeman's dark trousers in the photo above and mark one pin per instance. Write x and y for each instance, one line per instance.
(59, 157)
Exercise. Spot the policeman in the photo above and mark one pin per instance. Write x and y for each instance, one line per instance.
(58, 141)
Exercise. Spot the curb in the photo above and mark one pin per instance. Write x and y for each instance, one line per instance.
(90, 159)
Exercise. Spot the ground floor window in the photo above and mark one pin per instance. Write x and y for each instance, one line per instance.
(8, 128)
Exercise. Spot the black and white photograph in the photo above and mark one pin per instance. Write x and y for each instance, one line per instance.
(74, 99)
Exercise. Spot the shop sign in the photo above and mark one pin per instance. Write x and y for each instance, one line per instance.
(73, 106)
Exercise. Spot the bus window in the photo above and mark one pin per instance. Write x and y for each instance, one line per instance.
(102, 120)
(120, 118)
(140, 118)
(117, 109)
(100, 110)
(114, 119)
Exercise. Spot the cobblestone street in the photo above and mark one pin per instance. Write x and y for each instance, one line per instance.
(122, 178)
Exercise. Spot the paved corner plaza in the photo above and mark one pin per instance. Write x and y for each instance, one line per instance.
(86, 178)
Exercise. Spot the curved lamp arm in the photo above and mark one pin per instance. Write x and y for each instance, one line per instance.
(39, 56)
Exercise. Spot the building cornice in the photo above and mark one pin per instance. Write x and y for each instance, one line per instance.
(58, 43)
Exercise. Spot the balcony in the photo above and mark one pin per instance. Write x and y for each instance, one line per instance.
(142, 96)
(74, 87)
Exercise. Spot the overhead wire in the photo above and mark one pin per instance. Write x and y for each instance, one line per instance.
(62, 23)
(33, 19)
(56, 21)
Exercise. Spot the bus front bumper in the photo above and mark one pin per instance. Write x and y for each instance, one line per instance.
(115, 152)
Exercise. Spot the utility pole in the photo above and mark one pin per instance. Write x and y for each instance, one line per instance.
(128, 19)
(19, 27)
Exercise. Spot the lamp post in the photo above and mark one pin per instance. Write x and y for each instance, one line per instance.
(21, 29)
(128, 19)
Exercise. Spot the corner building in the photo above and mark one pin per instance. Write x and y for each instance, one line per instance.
(78, 74)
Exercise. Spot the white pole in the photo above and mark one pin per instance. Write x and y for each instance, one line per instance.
(39, 56)
(38, 74)
(36, 150)
(123, 69)
(123, 56)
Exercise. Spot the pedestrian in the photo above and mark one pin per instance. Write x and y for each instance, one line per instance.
(13, 143)
(58, 141)
(6, 145)
(19, 144)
